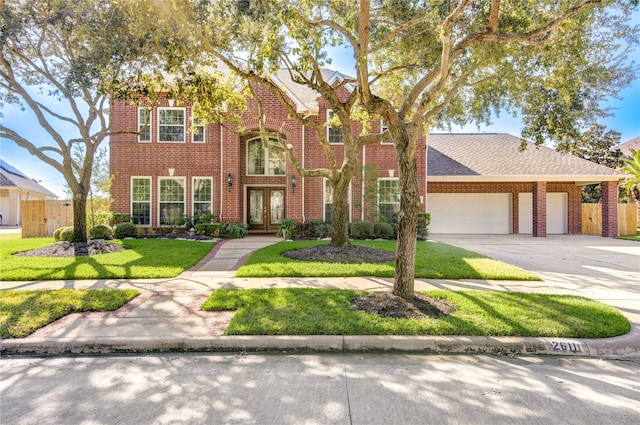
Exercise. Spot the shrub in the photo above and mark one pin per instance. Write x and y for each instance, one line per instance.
(394, 227)
(208, 229)
(63, 234)
(286, 228)
(204, 219)
(101, 231)
(125, 230)
(383, 231)
(320, 229)
(361, 229)
(235, 230)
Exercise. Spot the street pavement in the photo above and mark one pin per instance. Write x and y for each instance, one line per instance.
(318, 389)
(166, 316)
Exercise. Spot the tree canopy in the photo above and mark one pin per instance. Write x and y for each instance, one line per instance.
(425, 64)
(65, 53)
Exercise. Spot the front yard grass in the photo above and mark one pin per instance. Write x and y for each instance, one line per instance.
(306, 311)
(635, 237)
(434, 260)
(23, 312)
(144, 259)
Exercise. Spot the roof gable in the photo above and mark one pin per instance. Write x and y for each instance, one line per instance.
(11, 177)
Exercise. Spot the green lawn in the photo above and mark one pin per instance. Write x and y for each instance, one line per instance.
(145, 258)
(305, 311)
(434, 260)
(635, 237)
(23, 312)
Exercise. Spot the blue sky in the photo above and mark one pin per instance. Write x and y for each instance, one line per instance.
(625, 119)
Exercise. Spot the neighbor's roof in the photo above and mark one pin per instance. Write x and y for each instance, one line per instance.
(12, 178)
(631, 144)
(497, 157)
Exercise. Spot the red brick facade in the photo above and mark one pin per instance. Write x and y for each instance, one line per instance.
(224, 152)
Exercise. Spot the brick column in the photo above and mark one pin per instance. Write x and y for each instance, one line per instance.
(609, 209)
(540, 209)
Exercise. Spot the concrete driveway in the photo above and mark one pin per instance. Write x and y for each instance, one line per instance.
(592, 266)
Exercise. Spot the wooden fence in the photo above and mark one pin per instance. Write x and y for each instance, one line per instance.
(592, 219)
(42, 218)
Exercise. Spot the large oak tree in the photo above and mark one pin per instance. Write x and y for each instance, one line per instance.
(58, 61)
(425, 64)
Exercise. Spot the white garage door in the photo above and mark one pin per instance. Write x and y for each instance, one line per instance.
(557, 213)
(478, 213)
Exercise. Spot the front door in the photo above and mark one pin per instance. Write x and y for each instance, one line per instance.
(265, 208)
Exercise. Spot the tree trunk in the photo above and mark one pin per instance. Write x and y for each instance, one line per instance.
(340, 212)
(403, 284)
(79, 217)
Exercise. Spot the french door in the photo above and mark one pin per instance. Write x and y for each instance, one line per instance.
(265, 208)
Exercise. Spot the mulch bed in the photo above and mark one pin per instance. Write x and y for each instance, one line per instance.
(386, 304)
(73, 249)
(353, 254)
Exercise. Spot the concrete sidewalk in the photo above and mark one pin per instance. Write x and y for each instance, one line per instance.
(166, 316)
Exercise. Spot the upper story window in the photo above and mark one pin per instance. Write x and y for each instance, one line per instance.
(384, 126)
(144, 125)
(270, 160)
(197, 134)
(334, 134)
(171, 125)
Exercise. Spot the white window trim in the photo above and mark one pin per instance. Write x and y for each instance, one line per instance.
(193, 193)
(265, 158)
(184, 124)
(193, 134)
(384, 127)
(324, 199)
(149, 126)
(131, 201)
(378, 189)
(329, 112)
(184, 201)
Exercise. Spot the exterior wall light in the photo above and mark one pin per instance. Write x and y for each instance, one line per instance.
(294, 182)
(229, 181)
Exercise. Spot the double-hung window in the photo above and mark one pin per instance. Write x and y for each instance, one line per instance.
(171, 125)
(171, 200)
(334, 133)
(197, 133)
(141, 200)
(202, 196)
(144, 125)
(389, 199)
(385, 127)
(269, 160)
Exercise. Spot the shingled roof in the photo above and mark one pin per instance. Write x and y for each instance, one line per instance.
(11, 178)
(492, 157)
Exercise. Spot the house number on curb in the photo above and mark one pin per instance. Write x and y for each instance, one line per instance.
(566, 346)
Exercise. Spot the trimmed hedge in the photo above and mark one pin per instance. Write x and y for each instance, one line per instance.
(361, 229)
(101, 231)
(125, 230)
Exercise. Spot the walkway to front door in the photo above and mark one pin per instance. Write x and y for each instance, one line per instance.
(265, 208)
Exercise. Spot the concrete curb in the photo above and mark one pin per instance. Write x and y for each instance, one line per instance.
(623, 347)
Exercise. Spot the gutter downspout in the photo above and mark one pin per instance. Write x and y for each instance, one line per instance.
(304, 219)
(221, 172)
(364, 157)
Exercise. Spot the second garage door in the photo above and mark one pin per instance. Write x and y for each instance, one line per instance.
(475, 213)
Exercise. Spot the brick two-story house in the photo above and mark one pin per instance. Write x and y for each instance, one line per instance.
(472, 183)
